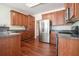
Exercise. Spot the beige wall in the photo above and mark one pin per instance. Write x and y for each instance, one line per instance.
(4, 15)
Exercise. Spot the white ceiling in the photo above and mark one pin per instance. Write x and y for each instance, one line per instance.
(37, 9)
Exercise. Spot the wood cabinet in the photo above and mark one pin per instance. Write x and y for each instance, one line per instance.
(47, 16)
(28, 21)
(18, 19)
(68, 46)
(57, 18)
(10, 46)
(74, 8)
(31, 22)
(29, 33)
(60, 17)
(53, 37)
(54, 18)
(25, 20)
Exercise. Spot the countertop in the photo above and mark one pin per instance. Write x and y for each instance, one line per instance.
(8, 34)
(68, 36)
(65, 33)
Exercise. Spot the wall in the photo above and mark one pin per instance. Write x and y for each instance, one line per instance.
(4, 15)
(39, 17)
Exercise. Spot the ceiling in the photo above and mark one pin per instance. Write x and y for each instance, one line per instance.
(35, 10)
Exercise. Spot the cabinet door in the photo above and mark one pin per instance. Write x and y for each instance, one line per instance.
(23, 19)
(53, 38)
(46, 16)
(14, 18)
(30, 22)
(10, 46)
(77, 10)
(26, 21)
(33, 23)
(60, 17)
(19, 19)
(54, 18)
(68, 46)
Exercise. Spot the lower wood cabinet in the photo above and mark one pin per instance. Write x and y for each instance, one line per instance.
(27, 35)
(52, 38)
(10, 46)
(68, 46)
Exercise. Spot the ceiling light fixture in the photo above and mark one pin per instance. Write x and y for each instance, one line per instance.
(32, 4)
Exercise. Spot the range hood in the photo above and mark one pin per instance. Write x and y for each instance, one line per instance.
(69, 17)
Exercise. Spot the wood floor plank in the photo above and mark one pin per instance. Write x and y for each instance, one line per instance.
(36, 48)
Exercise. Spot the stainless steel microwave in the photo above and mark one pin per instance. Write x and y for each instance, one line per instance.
(68, 14)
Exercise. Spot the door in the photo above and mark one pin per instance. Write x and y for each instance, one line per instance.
(44, 30)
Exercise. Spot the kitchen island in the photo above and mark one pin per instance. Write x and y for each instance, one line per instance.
(10, 44)
(68, 45)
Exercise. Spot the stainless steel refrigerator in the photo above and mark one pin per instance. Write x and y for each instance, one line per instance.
(44, 31)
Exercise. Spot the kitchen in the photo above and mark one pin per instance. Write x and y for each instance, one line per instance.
(39, 30)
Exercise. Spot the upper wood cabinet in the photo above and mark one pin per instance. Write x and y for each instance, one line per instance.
(31, 22)
(77, 10)
(57, 18)
(25, 20)
(13, 18)
(47, 16)
(74, 8)
(60, 17)
(18, 18)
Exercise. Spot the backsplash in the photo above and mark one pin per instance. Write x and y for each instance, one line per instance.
(62, 27)
(16, 27)
(65, 27)
(3, 25)
(76, 23)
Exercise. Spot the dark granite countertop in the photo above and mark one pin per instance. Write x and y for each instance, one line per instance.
(69, 36)
(66, 33)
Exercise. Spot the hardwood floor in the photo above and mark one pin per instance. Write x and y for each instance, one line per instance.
(36, 48)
